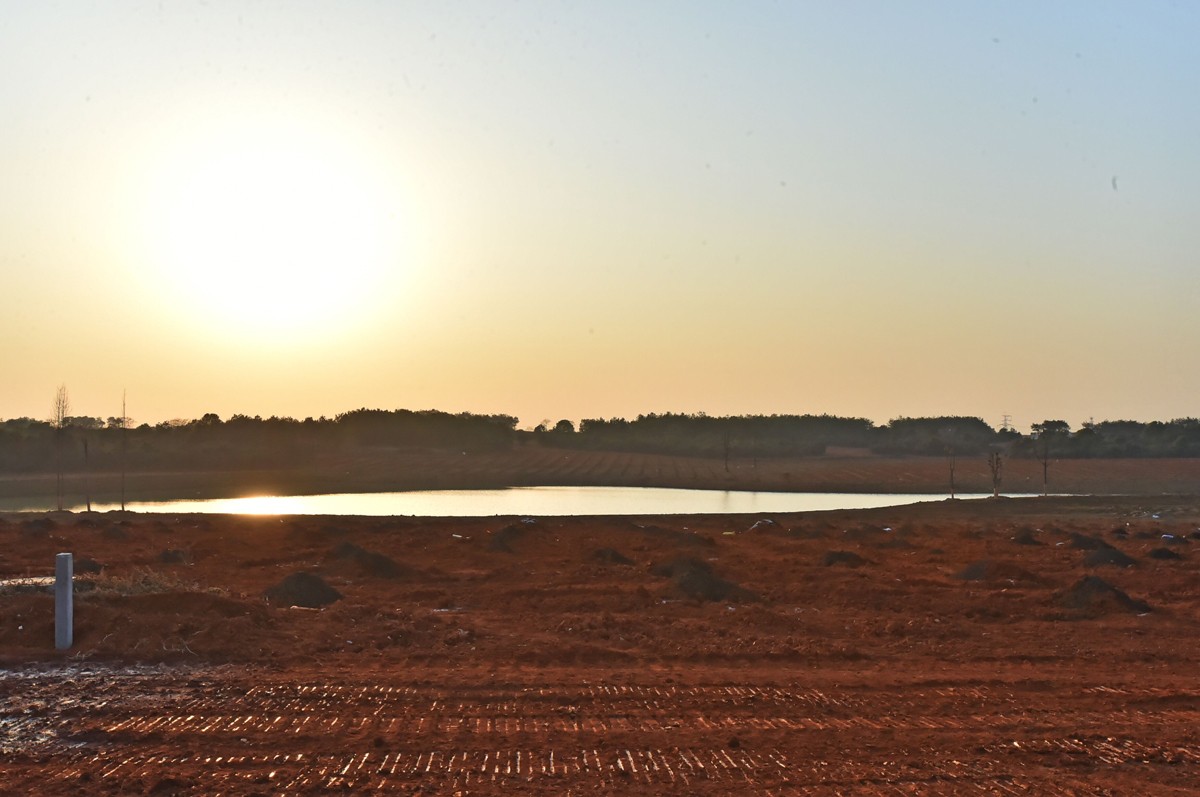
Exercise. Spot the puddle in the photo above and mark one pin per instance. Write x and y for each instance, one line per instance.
(22, 584)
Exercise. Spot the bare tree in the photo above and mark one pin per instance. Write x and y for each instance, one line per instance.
(1043, 455)
(953, 457)
(1047, 432)
(87, 474)
(949, 440)
(995, 464)
(62, 412)
(124, 446)
(62, 408)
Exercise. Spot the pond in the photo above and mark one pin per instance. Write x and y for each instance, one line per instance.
(546, 501)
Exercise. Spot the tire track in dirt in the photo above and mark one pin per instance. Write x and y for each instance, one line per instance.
(207, 730)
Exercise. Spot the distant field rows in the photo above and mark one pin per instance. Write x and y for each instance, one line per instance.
(372, 470)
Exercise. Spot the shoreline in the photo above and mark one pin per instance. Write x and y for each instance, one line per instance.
(398, 471)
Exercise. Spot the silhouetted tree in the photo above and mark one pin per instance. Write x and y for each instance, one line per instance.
(59, 418)
(949, 438)
(124, 427)
(1043, 456)
(995, 464)
(930, 435)
(1047, 433)
(1051, 428)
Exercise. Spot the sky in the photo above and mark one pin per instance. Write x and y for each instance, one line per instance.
(580, 210)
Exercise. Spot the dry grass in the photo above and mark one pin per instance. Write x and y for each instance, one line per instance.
(147, 581)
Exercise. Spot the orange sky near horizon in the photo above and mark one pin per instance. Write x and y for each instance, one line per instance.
(559, 212)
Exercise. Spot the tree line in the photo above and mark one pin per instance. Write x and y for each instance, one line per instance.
(805, 435)
(32, 445)
(242, 441)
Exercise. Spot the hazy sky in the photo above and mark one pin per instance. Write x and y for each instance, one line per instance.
(601, 209)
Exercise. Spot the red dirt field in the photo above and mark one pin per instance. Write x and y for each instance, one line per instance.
(984, 647)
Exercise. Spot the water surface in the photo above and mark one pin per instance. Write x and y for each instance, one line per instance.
(533, 501)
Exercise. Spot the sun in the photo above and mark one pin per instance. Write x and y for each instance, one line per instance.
(272, 233)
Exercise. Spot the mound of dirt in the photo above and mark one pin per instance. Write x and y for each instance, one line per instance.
(302, 589)
(1026, 537)
(680, 565)
(695, 579)
(86, 565)
(609, 556)
(1108, 557)
(1086, 542)
(38, 527)
(843, 558)
(1164, 553)
(503, 539)
(371, 562)
(114, 533)
(988, 570)
(1094, 595)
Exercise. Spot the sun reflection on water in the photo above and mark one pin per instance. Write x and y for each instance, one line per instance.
(261, 505)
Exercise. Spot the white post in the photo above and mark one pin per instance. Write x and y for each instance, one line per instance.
(64, 601)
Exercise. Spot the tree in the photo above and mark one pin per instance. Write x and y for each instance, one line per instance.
(564, 427)
(87, 476)
(124, 426)
(1043, 455)
(995, 464)
(949, 438)
(62, 408)
(1047, 432)
(1051, 428)
(951, 456)
(58, 420)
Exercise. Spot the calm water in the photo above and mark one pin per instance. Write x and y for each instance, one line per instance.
(532, 501)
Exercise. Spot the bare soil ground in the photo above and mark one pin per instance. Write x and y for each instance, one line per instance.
(942, 648)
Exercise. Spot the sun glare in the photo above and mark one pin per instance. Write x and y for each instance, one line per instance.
(263, 505)
(272, 234)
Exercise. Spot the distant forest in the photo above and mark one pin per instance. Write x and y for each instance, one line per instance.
(30, 446)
